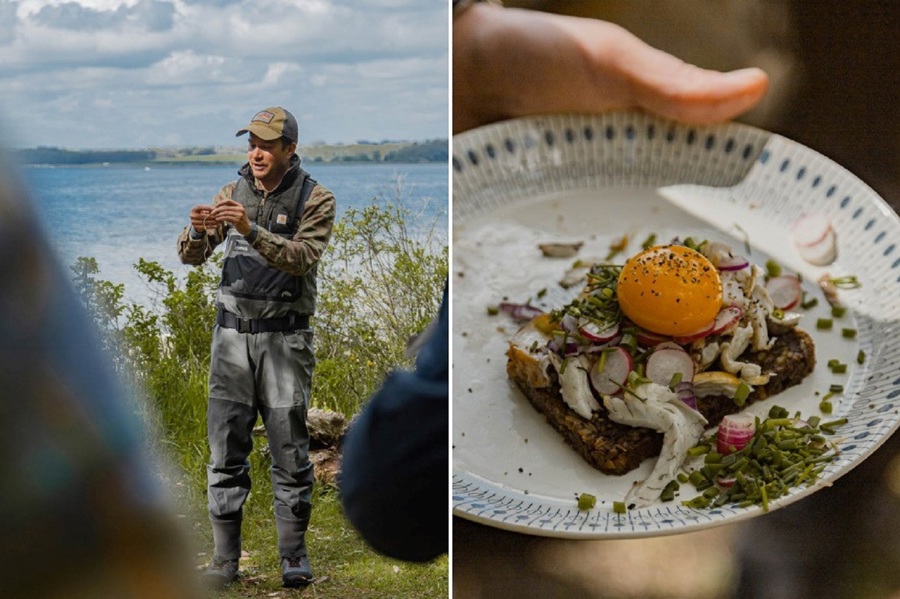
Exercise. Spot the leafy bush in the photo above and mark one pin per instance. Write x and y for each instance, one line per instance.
(380, 283)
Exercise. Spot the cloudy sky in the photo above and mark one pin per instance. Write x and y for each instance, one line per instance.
(141, 73)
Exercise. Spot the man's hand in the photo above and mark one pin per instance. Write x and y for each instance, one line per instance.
(511, 63)
(230, 211)
(202, 219)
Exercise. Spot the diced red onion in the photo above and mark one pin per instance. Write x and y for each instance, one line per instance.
(521, 312)
(732, 263)
(685, 392)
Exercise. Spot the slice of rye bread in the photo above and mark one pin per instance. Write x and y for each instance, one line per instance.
(615, 448)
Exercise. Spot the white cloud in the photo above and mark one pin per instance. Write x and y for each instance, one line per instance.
(358, 68)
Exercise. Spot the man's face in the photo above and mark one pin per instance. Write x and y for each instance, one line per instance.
(268, 160)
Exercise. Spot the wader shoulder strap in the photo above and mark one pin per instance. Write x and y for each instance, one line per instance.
(303, 193)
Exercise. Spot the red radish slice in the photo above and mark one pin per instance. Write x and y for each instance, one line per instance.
(726, 319)
(599, 333)
(785, 291)
(700, 333)
(649, 338)
(663, 364)
(610, 372)
(732, 263)
(735, 432)
(821, 254)
(668, 345)
(814, 238)
(725, 482)
(810, 229)
(596, 348)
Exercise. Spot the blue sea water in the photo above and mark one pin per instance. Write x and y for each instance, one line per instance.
(119, 214)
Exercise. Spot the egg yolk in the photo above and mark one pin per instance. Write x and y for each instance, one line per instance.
(670, 290)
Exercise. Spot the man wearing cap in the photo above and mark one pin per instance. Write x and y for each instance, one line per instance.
(275, 221)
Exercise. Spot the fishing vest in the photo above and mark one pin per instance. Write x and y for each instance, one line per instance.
(249, 287)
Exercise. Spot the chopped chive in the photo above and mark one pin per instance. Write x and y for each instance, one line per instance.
(493, 310)
(668, 494)
(698, 450)
(848, 282)
(586, 501)
(773, 269)
(741, 394)
(825, 407)
(836, 388)
(676, 378)
(860, 357)
(542, 293)
(824, 324)
(811, 303)
(648, 243)
(619, 507)
(848, 333)
(839, 368)
(838, 311)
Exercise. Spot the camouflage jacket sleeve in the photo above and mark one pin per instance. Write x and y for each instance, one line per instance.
(296, 256)
(197, 251)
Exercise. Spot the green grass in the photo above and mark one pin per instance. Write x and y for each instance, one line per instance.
(342, 562)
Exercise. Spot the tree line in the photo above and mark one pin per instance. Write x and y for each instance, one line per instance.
(415, 152)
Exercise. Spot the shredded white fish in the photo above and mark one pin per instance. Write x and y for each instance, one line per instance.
(659, 409)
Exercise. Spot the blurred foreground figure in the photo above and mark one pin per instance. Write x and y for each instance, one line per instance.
(81, 514)
(394, 474)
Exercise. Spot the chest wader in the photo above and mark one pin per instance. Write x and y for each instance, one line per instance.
(261, 365)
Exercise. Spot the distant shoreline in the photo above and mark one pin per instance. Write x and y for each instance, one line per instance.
(415, 152)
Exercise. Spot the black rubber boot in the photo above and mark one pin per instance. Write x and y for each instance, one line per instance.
(223, 569)
(220, 573)
(295, 572)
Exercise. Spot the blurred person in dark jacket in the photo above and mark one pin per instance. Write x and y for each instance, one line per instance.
(395, 468)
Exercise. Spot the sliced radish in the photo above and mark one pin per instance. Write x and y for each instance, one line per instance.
(785, 291)
(814, 238)
(668, 345)
(735, 432)
(810, 229)
(599, 333)
(700, 333)
(596, 348)
(569, 323)
(663, 364)
(649, 338)
(733, 262)
(726, 319)
(610, 372)
(725, 481)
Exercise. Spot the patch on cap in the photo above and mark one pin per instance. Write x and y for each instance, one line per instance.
(263, 116)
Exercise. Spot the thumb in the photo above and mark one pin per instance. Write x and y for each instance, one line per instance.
(674, 89)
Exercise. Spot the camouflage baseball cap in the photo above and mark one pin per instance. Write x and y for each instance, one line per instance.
(272, 123)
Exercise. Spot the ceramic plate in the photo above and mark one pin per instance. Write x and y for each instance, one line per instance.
(593, 180)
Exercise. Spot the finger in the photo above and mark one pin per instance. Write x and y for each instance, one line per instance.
(702, 96)
(672, 88)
